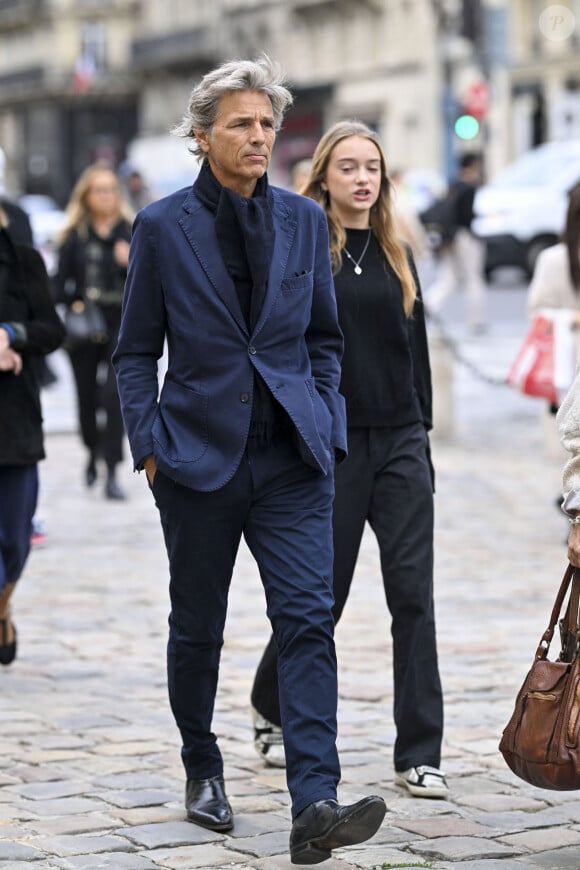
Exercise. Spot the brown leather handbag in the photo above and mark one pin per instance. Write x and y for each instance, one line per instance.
(540, 743)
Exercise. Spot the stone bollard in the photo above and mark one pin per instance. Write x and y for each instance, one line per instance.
(442, 374)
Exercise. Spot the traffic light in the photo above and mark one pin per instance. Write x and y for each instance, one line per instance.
(474, 108)
(466, 127)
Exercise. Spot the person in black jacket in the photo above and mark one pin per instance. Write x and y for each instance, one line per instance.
(387, 477)
(18, 222)
(462, 256)
(92, 266)
(29, 329)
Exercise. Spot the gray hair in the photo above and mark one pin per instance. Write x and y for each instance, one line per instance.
(261, 75)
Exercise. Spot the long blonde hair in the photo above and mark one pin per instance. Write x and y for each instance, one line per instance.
(78, 216)
(3, 218)
(381, 219)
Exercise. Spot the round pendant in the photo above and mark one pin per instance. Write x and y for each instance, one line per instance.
(357, 270)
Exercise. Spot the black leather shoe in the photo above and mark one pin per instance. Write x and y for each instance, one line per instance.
(207, 805)
(326, 825)
(91, 473)
(7, 650)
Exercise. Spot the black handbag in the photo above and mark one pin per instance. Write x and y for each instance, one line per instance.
(85, 324)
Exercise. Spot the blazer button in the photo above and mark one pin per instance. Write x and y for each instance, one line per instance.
(252, 349)
(245, 398)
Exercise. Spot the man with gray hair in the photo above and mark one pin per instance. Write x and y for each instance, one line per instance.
(243, 437)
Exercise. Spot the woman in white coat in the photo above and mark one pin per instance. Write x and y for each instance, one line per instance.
(555, 285)
(568, 418)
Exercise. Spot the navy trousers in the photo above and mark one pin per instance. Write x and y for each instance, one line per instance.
(283, 508)
(18, 497)
(386, 480)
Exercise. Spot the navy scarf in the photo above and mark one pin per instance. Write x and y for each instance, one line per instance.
(245, 231)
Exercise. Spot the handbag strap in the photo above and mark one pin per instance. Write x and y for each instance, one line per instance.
(569, 624)
(570, 621)
(546, 639)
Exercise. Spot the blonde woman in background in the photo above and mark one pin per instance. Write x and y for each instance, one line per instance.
(92, 266)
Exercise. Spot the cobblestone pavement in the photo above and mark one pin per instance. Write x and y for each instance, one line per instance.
(90, 775)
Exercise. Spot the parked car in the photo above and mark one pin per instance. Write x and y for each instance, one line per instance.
(523, 210)
(46, 220)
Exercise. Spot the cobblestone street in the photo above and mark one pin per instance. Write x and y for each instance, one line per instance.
(90, 774)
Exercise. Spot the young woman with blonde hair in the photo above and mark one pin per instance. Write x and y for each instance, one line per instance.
(92, 268)
(387, 477)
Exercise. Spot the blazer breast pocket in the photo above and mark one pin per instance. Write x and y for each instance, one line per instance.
(296, 283)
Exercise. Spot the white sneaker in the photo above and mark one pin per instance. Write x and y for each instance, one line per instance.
(423, 781)
(268, 740)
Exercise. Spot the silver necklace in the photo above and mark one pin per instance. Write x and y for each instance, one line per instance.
(357, 269)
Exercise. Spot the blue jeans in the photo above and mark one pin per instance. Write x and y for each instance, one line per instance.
(18, 497)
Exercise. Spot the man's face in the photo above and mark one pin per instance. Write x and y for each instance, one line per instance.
(239, 145)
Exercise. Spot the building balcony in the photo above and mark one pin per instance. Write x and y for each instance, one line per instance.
(18, 13)
(303, 7)
(21, 83)
(181, 48)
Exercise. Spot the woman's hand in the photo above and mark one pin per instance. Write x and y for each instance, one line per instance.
(10, 361)
(4, 339)
(121, 253)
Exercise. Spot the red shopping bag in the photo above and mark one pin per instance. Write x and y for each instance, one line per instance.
(533, 368)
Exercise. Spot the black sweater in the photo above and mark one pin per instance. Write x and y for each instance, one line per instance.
(386, 377)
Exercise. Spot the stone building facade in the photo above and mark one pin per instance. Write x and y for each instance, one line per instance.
(79, 79)
(82, 79)
(544, 73)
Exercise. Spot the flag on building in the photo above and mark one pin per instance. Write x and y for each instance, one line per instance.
(84, 73)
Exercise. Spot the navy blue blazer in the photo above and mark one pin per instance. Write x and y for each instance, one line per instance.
(178, 289)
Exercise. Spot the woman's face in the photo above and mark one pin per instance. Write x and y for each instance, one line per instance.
(102, 198)
(353, 180)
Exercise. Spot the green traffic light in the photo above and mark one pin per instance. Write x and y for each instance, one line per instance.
(466, 127)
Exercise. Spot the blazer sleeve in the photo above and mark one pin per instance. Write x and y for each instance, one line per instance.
(325, 341)
(141, 339)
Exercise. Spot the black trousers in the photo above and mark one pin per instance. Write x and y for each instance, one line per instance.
(283, 508)
(386, 480)
(96, 388)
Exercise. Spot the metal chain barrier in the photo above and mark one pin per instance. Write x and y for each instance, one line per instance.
(453, 347)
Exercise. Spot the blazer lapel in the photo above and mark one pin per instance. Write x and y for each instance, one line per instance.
(285, 229)
(198, 225)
